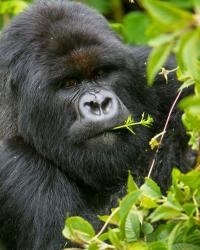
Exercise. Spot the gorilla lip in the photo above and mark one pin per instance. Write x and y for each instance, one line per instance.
(91, 131)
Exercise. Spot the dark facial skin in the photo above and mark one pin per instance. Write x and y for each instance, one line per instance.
(65, 81)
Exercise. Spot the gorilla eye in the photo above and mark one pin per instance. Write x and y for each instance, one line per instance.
(70, 83)
(99, 73)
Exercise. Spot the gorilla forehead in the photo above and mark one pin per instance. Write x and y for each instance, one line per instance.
(60, 26)
(64, 35)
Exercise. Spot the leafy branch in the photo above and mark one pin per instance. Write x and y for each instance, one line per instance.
(135, 221)
(130, 123)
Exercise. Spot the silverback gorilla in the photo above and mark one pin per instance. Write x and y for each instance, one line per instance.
(66, 80)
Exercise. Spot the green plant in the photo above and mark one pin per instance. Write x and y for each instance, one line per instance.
(130, 123)
(8, 8)
(171, 26)
(135, 222)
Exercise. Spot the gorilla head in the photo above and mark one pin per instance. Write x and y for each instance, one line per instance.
(69, 81)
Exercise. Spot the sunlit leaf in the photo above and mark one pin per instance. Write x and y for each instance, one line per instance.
(78, 230)
(157, 59)
(151, 189)
(133, 32)
(168, 14)
(132, 227)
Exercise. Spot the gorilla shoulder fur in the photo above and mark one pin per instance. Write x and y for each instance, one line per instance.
(65, 81)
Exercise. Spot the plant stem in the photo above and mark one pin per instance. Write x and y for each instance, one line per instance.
(164, 132)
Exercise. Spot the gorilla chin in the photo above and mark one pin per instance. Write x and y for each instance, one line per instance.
(66, 80)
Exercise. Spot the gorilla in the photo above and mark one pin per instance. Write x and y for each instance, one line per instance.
(66, 80)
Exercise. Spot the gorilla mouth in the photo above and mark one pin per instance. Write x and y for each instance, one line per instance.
(105, 138)
(96, 133)
(108, 133)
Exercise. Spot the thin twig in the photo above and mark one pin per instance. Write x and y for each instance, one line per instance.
(164, 132)
(107, 222)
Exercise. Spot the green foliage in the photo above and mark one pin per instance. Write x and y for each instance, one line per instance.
(8, 8)
(78, 230)
(103, 6)
(132, 32)
(12, 7)
(157, 58)
(135, 222)
(172, 28)
(130, 123)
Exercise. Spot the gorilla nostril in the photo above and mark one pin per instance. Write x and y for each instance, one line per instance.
(106, 105)
(99, 105)
(93, 107)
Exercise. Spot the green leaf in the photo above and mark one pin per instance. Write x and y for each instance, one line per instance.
(156, 60)
(132, 186)
(193, 236)
(172, 202)
(127, 202)
(176, 173)
(103, 217)
(12, 7)
(103, 6)
(189, 208)
(148, 202)
(137, 246)
(184, 236)
(164, 213)
(78, 230)
(104, 236)
(161, 39)
(192, 104)
(125, 206)
(147, 228)
(161, 233)
(187, 4)
(187, 83)
(118, 28)
(189, 53)
(191, 179)
(194, 140)
(115, 217)
(132, 227)
(185, 246)
(158, 245)
(168, 15)
(92, 246)
(196, 4)
(151, 189)
(135, 25)
(191, 121)
(113, 236)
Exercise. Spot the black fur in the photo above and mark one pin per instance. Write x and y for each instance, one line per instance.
(50, 167)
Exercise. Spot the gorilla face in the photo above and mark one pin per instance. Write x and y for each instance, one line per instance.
(74, 82)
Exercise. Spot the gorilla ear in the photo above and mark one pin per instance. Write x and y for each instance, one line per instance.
(8, 106)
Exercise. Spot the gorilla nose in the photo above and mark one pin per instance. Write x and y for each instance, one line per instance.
(98, 105)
